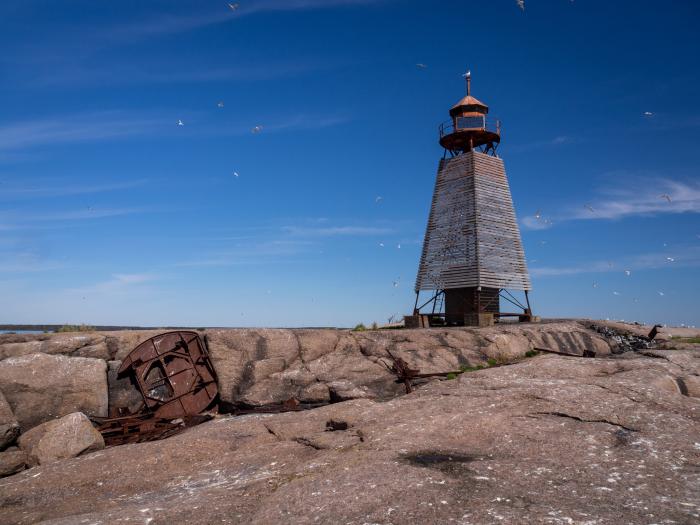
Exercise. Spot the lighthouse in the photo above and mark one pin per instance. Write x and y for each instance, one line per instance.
(472, 258)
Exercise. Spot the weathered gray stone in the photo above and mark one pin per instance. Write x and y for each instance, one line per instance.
(550, 439)
(9, 427)
(12, 461)
(62, 438)
(40, 387)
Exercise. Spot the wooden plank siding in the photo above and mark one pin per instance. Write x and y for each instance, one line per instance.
(472, 237)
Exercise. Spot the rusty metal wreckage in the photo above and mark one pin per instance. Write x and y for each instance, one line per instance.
(176, 378)
(177, 381)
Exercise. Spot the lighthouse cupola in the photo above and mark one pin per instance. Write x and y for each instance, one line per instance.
(470, 127)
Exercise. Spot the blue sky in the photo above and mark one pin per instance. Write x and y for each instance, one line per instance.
(112, 213)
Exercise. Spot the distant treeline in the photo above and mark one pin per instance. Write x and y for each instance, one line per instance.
(56, 327)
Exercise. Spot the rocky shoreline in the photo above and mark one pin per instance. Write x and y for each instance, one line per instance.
(629, 413)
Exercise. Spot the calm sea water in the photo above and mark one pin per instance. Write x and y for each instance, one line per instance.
(21, 331)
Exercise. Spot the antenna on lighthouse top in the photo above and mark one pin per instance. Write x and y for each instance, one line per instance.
(468, 77)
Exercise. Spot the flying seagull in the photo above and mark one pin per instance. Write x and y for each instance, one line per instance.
(233, 7)
(589, 208)
(648, 114)
(180, 122)
(521, 4)
(665, 196)
(256, 129)
(421, 66)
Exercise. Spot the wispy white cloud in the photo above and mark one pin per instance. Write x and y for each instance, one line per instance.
(645, 198)
(533, 223)
(71, 215)
(102, 126)
(21, 265)
(75, 128)
(559, 140)
(178, 23)
(642, 197)
(24, 220)
(72, 73)
(247, 253)
(50, 188)
(133, 278)
(119, 282)
(332, 231)
(682, 257)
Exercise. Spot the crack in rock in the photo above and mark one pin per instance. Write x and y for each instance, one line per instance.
(308, 443)
(576, 418)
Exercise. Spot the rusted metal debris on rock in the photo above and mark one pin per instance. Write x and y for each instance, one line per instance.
(175, 376)
(406, 375)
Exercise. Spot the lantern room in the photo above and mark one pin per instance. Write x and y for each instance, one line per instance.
(470, 127)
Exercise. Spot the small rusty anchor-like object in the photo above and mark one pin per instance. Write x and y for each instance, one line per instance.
(404, 374)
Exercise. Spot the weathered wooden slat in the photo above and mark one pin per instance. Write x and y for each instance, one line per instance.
(472, 236)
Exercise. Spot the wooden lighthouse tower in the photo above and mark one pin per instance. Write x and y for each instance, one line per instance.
(472, 253)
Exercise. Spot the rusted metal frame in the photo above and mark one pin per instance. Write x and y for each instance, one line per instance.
(527, 300)
(163, 417)
(435, 299)
(515, 302)
(429, 300)
(514, 298)
(403, 372)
